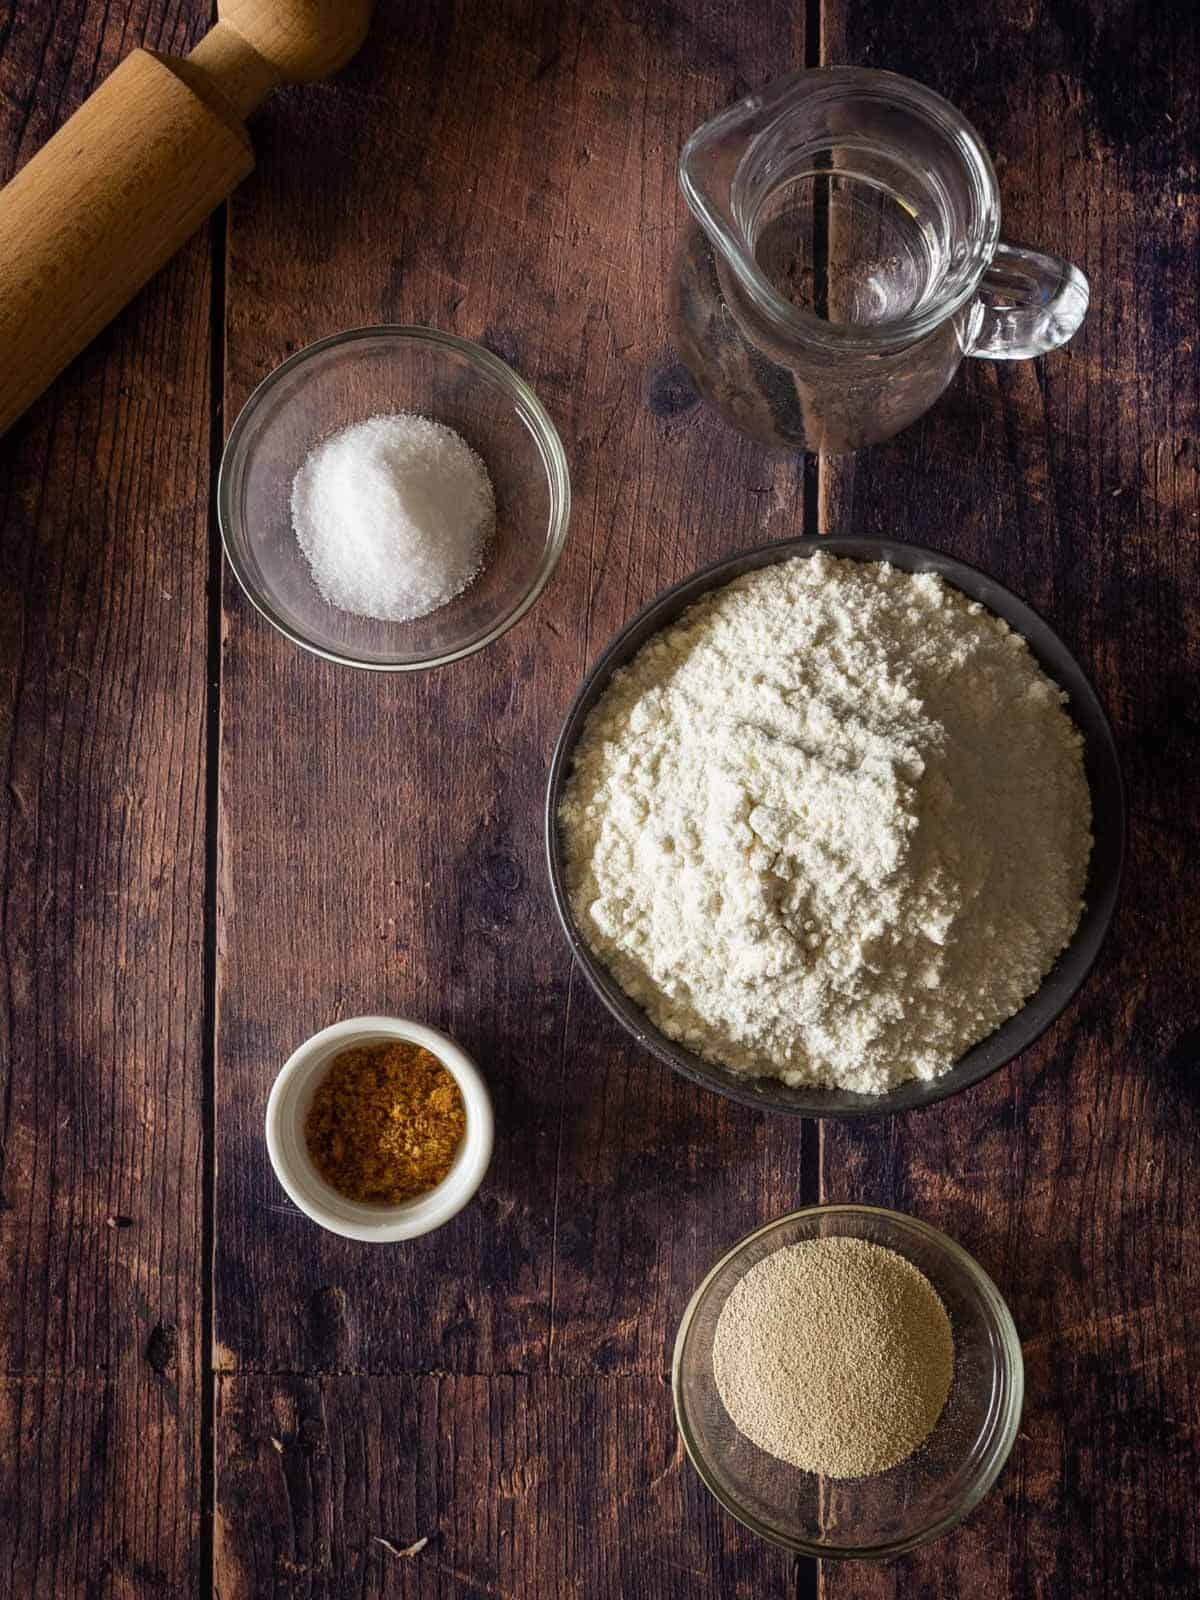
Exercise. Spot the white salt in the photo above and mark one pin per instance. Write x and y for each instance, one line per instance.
(393, 515)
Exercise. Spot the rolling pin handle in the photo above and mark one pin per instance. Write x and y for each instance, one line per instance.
(225, 68)
(135, 172)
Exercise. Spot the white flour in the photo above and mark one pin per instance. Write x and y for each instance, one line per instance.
(832, 826)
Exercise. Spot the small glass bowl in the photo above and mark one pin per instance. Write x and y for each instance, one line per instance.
(922, 1498)
(369, 372)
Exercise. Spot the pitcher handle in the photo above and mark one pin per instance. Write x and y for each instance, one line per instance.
(1028, 303)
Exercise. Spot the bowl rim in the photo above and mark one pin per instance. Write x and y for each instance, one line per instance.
(1108, 828)
(545, 435)
(1013, 1368)
(425, 1212)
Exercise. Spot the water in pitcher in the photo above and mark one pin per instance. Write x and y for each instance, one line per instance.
(845, 256)
(845, 250)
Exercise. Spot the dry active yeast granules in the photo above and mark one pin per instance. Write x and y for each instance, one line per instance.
(832, 826)
(834, 1355)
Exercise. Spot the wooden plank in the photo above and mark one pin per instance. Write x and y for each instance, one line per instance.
(99, 1488)
(381, 838)
(520, 1486)
(103, 561)
(1071, 1175)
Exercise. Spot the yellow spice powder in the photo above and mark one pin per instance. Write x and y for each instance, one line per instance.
(385, 1122)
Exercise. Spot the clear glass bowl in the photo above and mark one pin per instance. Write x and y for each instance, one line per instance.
(368, 372)
(922, 1498)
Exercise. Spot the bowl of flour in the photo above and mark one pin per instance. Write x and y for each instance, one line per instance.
(836, 826)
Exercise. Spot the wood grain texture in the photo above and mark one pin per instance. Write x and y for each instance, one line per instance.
(103, 559)
(93, 216)
(1072, 1174)
(521, 1486)
(514, 184)
(507, 173)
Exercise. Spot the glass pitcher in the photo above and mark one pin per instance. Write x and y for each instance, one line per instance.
(846, 256)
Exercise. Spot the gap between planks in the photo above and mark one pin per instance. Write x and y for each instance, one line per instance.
(218, 239)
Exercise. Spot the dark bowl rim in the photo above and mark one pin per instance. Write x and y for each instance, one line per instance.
(1102, 894)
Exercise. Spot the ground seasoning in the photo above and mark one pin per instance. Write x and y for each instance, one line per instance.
(385, 1122)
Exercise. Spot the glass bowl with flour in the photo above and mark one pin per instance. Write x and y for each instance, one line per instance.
(836, 826)
(393, 498)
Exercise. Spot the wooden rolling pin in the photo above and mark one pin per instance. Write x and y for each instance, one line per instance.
(136, 170)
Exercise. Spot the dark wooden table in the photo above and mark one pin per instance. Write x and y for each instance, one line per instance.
(213, 845)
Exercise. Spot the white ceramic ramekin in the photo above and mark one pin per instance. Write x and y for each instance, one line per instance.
(287, 1108)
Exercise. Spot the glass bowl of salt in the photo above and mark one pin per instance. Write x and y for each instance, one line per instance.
(393, 498)
(848, 1382)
